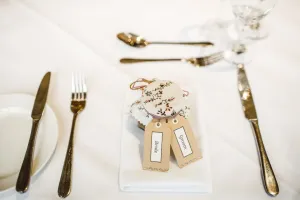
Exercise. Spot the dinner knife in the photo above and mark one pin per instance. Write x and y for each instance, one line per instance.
(23, 180)
(268, 176)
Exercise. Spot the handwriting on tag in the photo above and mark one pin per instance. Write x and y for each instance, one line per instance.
(156, 147)
(184, 144)
(157, 141)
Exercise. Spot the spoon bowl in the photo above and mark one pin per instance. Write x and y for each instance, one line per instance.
(132, 39)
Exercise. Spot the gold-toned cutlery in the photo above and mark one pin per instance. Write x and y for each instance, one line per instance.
(137, 41)
(23, 180)
(78, 102)
(196, 61)
(268, 176)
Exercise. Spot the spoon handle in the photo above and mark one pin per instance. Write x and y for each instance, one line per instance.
(204, 44)
(138, 60)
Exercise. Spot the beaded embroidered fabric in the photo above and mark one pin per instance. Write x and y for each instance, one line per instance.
(160, 99)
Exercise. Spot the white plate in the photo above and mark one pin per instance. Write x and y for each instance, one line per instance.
(195, 177)
(15, 128)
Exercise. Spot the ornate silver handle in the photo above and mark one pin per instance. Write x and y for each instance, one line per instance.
(268, 176)
(64, 188)
(23, 180)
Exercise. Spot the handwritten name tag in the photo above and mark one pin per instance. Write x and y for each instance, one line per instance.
(157, 141)
(184, 143)
(156, 146)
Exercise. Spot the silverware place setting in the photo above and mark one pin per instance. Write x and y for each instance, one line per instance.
(77, 105)
(134, 40)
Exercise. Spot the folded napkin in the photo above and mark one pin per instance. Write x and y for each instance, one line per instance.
(195, 177)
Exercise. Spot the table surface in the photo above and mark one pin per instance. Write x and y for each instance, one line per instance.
(65, 36)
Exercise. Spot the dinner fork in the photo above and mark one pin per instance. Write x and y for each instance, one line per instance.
(196, 61)
(78, 101)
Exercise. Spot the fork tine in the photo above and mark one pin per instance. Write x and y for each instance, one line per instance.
(213, 57)
(214, 60)
(81, 86)
(73, 87)
(84, 86)
(77, 87)
(218, 54)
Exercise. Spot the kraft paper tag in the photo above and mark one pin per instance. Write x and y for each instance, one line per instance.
(184, 144)
(157, 141)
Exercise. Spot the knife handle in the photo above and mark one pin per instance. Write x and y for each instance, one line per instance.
(23, 180)
(269, 179)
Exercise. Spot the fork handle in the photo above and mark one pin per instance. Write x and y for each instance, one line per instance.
(138, 60)
(64, 188)
(269, 179)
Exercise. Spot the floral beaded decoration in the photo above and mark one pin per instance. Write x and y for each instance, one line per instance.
(162, 112)
(160, 99)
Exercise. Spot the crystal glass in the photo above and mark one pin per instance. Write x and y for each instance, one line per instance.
(249, 14)
(246, 28)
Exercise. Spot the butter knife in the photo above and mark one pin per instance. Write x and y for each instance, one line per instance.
(23, 180)
(268, 176)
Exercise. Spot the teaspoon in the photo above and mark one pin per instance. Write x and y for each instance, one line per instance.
(137, 41)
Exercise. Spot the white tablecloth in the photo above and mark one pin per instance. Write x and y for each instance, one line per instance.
(65, 36)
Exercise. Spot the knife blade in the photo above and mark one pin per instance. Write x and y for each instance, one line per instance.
(268, 176)
(23, 180)
(246, 94)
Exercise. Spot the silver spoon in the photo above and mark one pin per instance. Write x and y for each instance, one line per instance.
(137, 41)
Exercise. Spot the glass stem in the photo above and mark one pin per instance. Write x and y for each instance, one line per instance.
(255, 26)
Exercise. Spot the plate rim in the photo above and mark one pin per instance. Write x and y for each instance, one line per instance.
(47, 160)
